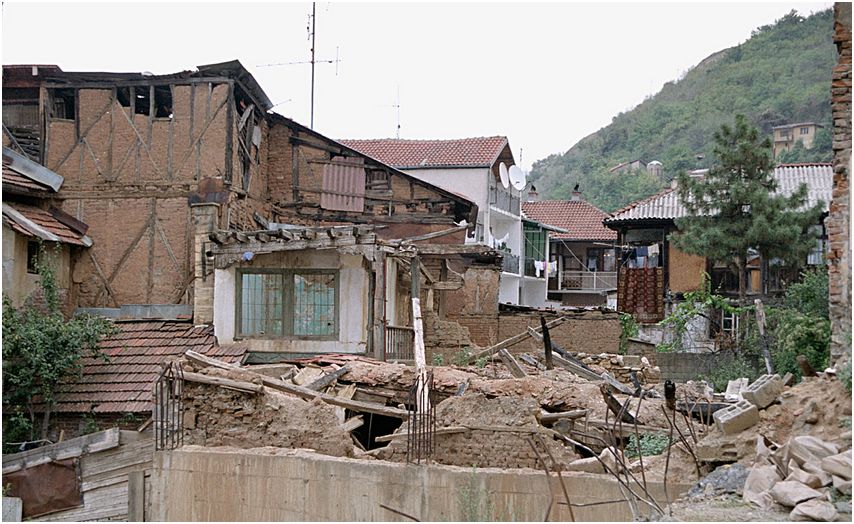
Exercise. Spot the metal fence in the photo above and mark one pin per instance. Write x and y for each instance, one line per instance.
(399, 343)
(504, 201)
(589, 280)
(169, 408)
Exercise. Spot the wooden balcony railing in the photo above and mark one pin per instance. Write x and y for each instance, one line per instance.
(399, 343)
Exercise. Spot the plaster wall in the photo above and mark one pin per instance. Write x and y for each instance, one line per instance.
(18, 284)
(352, 307)
(273, 484)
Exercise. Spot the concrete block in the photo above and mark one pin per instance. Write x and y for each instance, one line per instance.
(13, 507)
(764, 391)
(734, 388)
(736, 418)
(790, 493)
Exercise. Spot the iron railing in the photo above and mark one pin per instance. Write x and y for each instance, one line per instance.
(504, 201)
(399, 343)
(421, 424)
(589, 280)
(169, 408)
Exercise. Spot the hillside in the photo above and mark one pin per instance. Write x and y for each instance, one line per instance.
(780, 75)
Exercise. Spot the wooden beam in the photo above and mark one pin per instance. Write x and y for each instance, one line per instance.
(363, 407)
(238, 385)
(547, 342)
(549, 418)
(327, 379)
(510, 341)
(63, 450)
(439, 431)
(618, 409)
(353, 423)
(531, 361)
(514, 367)
(449, 285)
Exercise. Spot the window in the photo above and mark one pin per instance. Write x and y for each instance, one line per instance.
(33, 255)
(163, 102)
(816, 256)
(288, 303)
(123, 96)
(729, 325)
(62, 103)
(805, 130)
(535, 251)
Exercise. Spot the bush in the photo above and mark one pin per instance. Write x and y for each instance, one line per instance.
(650, 444)
(797, 334)
(741, 365)
(628, 329)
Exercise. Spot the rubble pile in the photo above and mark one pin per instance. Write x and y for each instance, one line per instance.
(622, 367)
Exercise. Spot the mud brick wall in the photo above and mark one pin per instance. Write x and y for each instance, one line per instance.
(839, 221)
(216, 416)
(498, 438)
(593, 331)
(622, 366)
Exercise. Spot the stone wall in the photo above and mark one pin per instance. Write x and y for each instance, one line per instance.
(839, 221)
(622, 366)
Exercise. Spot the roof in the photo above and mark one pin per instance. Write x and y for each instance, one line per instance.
(666, 205)
(786, 126)
(25, 173)
(421, 154)
(51, 226)
(582, 219)
(136, 353)
(624, 164)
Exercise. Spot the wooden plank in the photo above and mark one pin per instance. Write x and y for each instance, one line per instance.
(549, 418)
(64, 450)
(450, 430)
(618, 409)
(136, 496)
(575, 368)
(353, 423)
(327, 379)
(514, 367)
(238, 385)
(547, 342)
(363, 407)
(531, 361)
(510, 341)
(307, 375)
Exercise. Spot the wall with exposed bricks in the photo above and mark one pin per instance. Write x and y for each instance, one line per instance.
(591, 331)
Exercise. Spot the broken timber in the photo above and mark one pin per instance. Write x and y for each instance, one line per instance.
(549, 418)
(439, 431)
(364, 407)
(514, 367)
(327, 379)
(488, 352)
(238, 385)
(620, 410)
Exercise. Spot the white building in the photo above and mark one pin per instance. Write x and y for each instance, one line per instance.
(470, 168)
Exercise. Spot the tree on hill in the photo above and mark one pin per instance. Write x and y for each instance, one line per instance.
(734, 207)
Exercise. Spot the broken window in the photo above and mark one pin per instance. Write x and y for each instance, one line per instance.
(123, 96)
(141, 100)
(163, 102)
(33, 255)
(280, 302)
(62, 103)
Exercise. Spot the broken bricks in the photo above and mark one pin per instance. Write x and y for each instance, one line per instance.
(764, 391)
(737, 417)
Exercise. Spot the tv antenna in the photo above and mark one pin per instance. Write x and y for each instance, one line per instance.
(311, 29)
(396, 105)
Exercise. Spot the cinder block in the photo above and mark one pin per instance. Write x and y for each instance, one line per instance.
(736, 418)
(764, 391)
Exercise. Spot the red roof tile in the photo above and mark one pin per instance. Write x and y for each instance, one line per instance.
(136, 353)
(14, 180)
(582, 219)
(463, 152)
(42, 219)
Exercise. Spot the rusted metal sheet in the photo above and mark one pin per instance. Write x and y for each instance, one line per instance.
(47, 488)
(343, 185)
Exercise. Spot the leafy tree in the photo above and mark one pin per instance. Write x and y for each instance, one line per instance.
(734, 207)
(42, 350)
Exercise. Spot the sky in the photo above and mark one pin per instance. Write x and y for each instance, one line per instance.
(543, 74)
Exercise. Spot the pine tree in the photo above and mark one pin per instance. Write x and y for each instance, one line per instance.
(735, 208)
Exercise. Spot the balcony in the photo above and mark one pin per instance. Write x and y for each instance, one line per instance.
(510, 263)
(504, 201)
(588, 281)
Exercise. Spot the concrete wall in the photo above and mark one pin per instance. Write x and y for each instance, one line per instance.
(270, 484)
(352, 308)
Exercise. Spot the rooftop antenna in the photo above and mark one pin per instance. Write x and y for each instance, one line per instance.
(311, 29)
(397, 105)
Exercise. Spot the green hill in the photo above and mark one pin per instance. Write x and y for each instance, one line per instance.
(780, 75)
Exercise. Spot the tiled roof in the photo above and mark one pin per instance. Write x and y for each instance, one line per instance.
(667, 205)
(37, 223)
(582, 219)
(136, 352)
(12, 179)
(401, 154)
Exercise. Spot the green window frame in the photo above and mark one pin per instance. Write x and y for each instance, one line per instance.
(298, 304)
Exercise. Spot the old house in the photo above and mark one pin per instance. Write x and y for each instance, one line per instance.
(34, 227)
(470, 167)
(786, 136)
(653, 275)
(582, 262)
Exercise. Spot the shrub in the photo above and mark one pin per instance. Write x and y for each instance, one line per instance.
(650, 444)
(740, 365)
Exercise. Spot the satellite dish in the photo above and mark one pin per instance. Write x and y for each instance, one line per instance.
(505, 178)
(517, 177)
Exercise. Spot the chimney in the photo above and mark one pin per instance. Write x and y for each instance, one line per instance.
(205, 218)
(533, 196)
(576, 193)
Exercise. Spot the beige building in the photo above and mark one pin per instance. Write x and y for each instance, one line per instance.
(785, 137)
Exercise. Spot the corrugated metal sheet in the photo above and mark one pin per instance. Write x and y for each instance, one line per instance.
(666, 205)
(343, 185)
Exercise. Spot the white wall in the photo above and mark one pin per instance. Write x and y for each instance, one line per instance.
(508, 290)
(352, 308)
(468, 182)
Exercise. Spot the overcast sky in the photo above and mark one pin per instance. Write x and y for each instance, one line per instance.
(545, 75)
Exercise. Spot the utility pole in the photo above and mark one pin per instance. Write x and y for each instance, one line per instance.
(313, 32)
